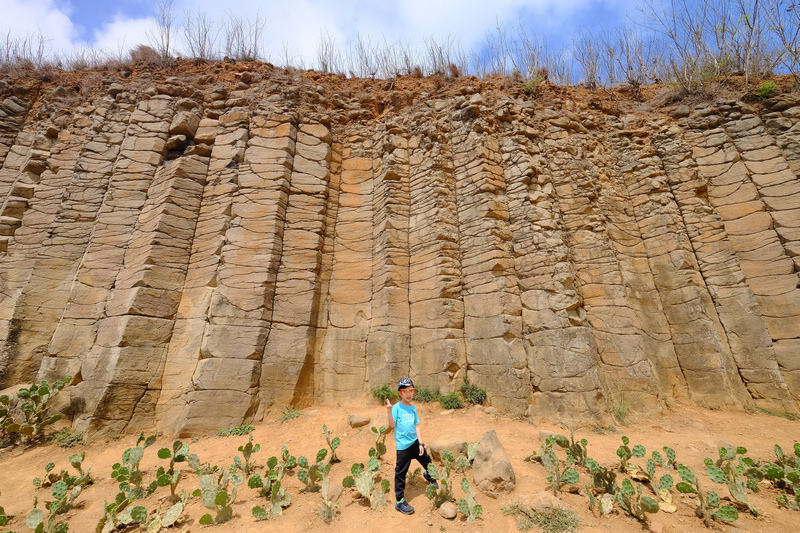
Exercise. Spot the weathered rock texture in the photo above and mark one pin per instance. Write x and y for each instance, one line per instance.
(198, 254)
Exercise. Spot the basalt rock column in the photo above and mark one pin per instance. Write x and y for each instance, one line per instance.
(388, 339)
(734, 301)
(141, 153)
(679, 296)
(437, 356)
(344, 348)
(122, 371)
(496, 357)
(40, 314)
(586, 198)
(237, 249)
(288, 369)
(734, 192)
(561, 355)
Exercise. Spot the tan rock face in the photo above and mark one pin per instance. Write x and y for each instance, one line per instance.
(199, 258)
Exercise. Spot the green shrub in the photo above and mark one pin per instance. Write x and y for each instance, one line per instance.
(385, 392)
(424, 394)
(556, 520)
(289, 413)
(767, 89)
(450, 401)
(472, 394)
(238, 431)
(67, 439)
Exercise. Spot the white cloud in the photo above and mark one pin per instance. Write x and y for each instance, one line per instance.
(122, 34)
(297, 25)
(24, 18)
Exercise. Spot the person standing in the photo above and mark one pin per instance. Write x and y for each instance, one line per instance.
(404, 419)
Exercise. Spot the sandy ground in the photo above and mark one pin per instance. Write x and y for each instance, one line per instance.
(692, 431)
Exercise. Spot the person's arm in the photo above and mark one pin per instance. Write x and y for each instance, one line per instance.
(389, 412)
(419, 439)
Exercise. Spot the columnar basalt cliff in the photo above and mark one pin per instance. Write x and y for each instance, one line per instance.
(199, 251)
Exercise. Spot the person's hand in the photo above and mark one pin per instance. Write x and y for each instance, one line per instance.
(388, 404)
(421, 449)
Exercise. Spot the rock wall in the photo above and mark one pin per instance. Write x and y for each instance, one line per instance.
(198, 252)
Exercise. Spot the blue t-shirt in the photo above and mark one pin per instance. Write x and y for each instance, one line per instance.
(405, 425)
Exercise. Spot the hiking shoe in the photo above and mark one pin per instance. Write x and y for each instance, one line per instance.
(404, 507)
(430, 480)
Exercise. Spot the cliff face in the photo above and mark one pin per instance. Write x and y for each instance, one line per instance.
(198, 252)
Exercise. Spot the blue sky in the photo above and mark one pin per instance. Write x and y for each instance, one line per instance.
(115, 26)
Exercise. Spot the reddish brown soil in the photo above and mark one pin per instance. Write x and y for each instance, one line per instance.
(692, 431)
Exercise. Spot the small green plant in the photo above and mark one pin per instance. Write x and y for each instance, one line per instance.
(245, 465)
(524, 522)
(62, 501)
(558, 475)
(467, 505)
(625, 453)
(332, 444)
(661, 486)
(766, 90)
(450, 401)
(726, 472)
(783, 501)
(784, 473)
(289, 413)
(531, 87)
(603, 479)
(214, 494)
(424, 394)
(81, 479)
(169, 476)
(168, 519)
(380, 441)
(237, 431)
(271, 486)
(364, 480)
(556, 520)
(330, 498)
(575, 450)
(472, 393)
(632, 501)
(279, 499)
(464, 462)
(67, 439)
(708, 503)
(312, 473)
(4, 518)
(667, 461)
(385, 392)
(620, 406)
(32, 402)
(128, 474)
(445, 491)
(412, 476)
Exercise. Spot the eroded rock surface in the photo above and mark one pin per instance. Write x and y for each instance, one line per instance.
(199, 253)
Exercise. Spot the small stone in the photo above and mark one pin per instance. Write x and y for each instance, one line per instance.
(656, 527)
(357, 421)
(176, 142)
(681, 111)
(448, 510)
(201, 149)
(115, 88)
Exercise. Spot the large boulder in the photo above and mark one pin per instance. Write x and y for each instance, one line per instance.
(491, 468)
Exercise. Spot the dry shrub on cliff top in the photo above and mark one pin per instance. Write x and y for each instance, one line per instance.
(145, 56)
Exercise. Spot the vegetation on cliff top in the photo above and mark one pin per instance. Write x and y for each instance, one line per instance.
(692, 45)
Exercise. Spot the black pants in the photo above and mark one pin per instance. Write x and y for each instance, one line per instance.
(404, 458)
